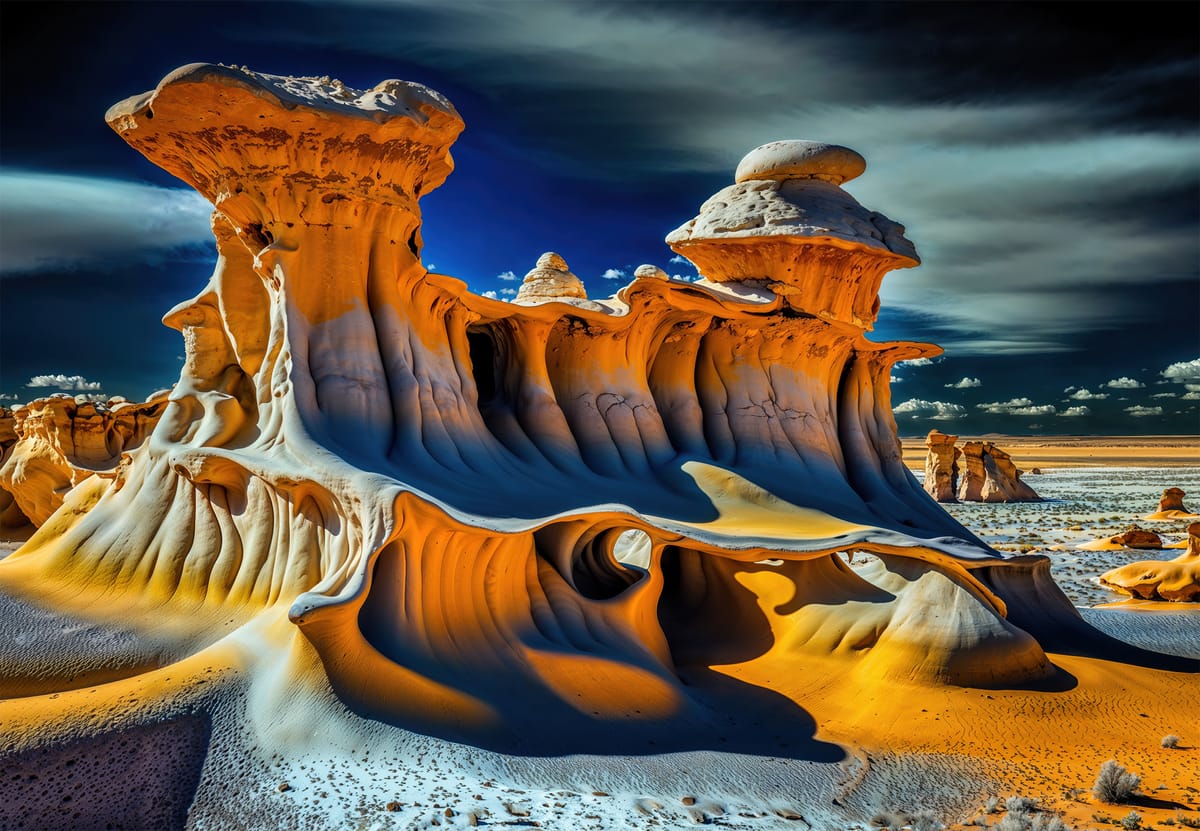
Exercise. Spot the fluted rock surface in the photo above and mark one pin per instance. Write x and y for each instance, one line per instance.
(502, 521)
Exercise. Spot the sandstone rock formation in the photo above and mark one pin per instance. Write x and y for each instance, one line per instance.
(11, 516)
(990, 476)
(786, 221)
(550, 280)
(1171, 506)
(1174, 580)
(52, 444)
(941, 466)
(526, 523)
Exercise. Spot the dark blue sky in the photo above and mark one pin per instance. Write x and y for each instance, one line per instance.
(1046, 160)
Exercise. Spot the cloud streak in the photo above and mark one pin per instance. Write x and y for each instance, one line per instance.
(58, 221)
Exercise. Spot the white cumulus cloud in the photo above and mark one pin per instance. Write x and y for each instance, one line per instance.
(490, 294)
(1085, 394)
(1076, 411)
(1017, 406)
(935, 410)
(507, 276)
(613, 274)
(63, 382)
(965, 383)
(1140, 411)
(1186, 373)
(1124, 383)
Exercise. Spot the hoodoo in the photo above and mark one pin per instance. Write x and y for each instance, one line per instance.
(440, 488)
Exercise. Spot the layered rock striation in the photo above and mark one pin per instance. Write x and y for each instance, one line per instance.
(516, 523)
(989, 475)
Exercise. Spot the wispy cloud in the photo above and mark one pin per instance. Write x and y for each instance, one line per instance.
(1141, 411)
(51, 220)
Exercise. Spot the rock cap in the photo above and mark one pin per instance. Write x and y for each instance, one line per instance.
(800, 159)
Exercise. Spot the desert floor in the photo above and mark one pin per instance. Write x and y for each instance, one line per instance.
(234, 728)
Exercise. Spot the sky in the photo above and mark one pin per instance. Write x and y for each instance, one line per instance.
(1044, 158)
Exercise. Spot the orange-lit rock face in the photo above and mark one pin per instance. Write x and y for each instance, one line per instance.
(991, 476)
(492, 519)
(58, 442)
(1173, 580)
(941, 466)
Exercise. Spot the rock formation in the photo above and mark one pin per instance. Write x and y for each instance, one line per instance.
(991, 476)
(1174, 580)
(52, 444)
(526, 523)
(1132, 537)
(941, 466)
(11, 516)
(1171, 506)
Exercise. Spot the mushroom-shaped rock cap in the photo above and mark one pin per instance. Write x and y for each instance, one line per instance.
(798, 159)
(550, 280)
(650, 272)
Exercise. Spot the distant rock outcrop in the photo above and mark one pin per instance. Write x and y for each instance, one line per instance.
(52, 444)
(991, 476)
(941, 466)
(1171, 506)
(1174, 580)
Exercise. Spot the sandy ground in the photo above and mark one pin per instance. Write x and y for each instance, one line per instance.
(1078, 451)
(236, 728)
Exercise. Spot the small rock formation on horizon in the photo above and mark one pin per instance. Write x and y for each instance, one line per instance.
(524, 525)
(941, 466)
(990, 476)
(1175, 580)
(1171, 506)
(987, 473)
(52, 444)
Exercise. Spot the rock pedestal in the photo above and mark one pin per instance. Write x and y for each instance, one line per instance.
(991, 476)
(941, 466)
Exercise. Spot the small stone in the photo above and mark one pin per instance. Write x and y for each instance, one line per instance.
(284, 786)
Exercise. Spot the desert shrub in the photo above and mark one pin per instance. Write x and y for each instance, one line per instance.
(1171, 742)
(925, 821)
(1048, 822)
(889, 819)
(1185, 820)
(992, 805)
(1015, 821)
(1131, 821)
(1114, 784)
(1020, 803)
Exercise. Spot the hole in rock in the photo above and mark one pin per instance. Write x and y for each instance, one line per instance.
(632, 548)
(483, 364)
